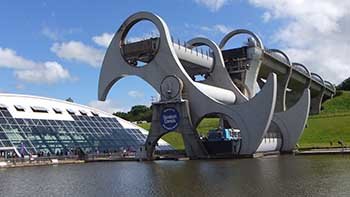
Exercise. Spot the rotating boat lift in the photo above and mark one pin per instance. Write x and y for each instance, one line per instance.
(229, 90)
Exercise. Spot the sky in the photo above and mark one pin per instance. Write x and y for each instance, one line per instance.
(55, 48)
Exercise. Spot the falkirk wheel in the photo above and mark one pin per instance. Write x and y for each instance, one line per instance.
(255, 90)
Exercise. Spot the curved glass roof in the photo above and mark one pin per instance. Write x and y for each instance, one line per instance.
(49, 126)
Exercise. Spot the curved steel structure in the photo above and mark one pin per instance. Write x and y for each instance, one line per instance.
(277, 51)
(241, 31)
(171, 68)
(287, 124)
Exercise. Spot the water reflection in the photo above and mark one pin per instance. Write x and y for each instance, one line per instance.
(274, 176)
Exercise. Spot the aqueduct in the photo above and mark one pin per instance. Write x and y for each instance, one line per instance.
(251, 88)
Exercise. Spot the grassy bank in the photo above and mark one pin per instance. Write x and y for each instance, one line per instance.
(175, 139)
(323, 130)
(330, 126)
(326, 131)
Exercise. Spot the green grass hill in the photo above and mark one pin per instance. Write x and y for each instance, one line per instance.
(323, 130)
(330, 126)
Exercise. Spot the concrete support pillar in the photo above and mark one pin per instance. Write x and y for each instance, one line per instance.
(316, 102)
(282, 85)
(297, 92)
(193, 146)
(254, 55)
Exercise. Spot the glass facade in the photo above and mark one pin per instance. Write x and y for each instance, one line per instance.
(90, 133)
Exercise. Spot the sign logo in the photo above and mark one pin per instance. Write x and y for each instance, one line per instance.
(169, 119)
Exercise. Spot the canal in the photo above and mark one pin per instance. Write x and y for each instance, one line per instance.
(269, 176)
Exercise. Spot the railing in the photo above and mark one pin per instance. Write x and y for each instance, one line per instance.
(148, 47)
(193, 50)
(301, 68)
(330, 86)
(281, 53)
(317, 78)
(36, 159)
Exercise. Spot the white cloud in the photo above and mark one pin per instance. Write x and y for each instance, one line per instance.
(218, 28)
(136, 94)
(10, 59)
(53, 35)
(222, 28)
(212, 5)
(58, 34)
(316, 34)
(266, 17)
(31, 71)
(103, 39)
(49, 72)
(20, 86)
(107, 106)
(152, 34)
(78, 51)
(135, 39)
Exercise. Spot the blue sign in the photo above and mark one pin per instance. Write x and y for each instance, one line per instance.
(169, 118)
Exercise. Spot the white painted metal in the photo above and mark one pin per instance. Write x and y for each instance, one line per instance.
(252, 117)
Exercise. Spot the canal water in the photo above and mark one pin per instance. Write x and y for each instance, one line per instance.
(270, 176)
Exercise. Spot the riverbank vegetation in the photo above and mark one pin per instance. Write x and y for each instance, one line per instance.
(136, 113)
(330, 128)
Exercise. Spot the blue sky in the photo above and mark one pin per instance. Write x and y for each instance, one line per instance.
(55, 48)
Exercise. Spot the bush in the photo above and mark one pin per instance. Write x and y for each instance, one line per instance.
(345, 85)
(137, 113)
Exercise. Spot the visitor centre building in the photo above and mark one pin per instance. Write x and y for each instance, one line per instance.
(31, 125)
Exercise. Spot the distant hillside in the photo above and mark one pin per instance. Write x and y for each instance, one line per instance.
(339, 104)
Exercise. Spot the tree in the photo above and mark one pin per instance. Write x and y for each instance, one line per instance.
(70, 100)
(345, 85)
(136, 113)
(121, 114)
(139, 109)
